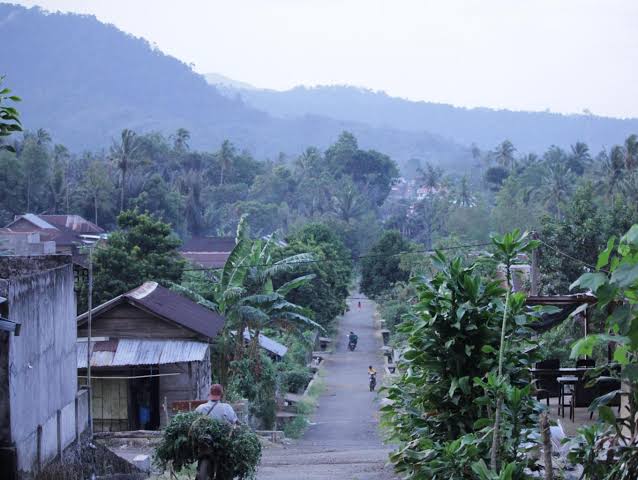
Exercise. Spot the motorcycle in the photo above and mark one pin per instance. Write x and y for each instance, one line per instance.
(373, 381)
(352, 345)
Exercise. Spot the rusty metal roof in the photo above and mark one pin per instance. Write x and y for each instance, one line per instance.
(167, 305)
(131, 352)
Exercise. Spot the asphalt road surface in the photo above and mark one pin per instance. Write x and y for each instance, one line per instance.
(342, 442)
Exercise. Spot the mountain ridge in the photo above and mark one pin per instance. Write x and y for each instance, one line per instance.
(85, 81)
(485, 126)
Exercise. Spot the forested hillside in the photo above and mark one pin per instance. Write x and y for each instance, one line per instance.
(530, 131)
(85, 81)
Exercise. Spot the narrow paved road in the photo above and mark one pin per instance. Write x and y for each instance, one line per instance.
(342, 442)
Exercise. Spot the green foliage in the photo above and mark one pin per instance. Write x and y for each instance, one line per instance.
(326, 292)
(296, 427)
(615, 284)
(294, 381)
(380, 269)
(441, 402)
(143, 249)
(9, 116)
(236, 450)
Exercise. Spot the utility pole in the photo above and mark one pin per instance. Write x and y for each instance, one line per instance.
(88, 343)
(534, 272)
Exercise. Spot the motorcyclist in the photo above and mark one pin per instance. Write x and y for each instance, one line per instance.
(352, 340)
(217, 410)
(372, 377)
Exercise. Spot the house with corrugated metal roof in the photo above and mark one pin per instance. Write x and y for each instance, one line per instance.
(149, 349)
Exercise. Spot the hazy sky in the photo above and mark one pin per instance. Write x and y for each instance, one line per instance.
(565, 55)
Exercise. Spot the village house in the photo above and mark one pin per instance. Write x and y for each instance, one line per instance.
(150, 349)
(41, 410)
(69, 233)
(207, 252)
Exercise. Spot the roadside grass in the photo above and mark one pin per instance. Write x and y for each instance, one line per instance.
(305, 408)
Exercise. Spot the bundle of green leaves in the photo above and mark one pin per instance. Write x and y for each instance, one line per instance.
(235, 450)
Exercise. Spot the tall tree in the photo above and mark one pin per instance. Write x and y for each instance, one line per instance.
(504, 154)
(125, 153)
(579, 158)
(142, 249)
(380, 269)
(557, 185)
(226, 156)
(35, 161)
(97, 185)
(631, 152)
(180, 140)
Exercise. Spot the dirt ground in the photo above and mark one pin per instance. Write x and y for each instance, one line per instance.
(343, 440)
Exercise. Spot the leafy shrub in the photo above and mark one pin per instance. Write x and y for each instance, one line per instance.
(235, 450)
(443, 401)
(296, 427)
(294, 381)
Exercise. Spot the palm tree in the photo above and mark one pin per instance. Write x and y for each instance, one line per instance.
(579, 158)
(430, 176)
(61, 157)
(504, 154)
(557, 185)
(631, 152)
(464, 194)
(612, 171)
(124, 155)
(347, 202)
(180, 140)
(226, 156)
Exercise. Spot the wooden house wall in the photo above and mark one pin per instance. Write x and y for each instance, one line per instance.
(192, 383)
(109, 404)
(127, 321)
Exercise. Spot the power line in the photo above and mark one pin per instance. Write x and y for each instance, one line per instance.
(353, 258)
(566, 255)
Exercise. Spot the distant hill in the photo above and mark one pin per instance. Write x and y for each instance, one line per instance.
(219, 80)
(85, 81)
(529, 131)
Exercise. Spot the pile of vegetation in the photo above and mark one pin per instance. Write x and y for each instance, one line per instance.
(235, 450)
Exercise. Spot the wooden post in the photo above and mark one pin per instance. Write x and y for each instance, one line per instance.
(58, 418)
(534, 273)
(38, 439)
(547, 446)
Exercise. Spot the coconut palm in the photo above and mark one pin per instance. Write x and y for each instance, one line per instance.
(430, 176)
(612, 169)
(631, 152)
(557, 185)
(464, 195)
(180, 140)
(504, 154)
(124, 153)
(579, 158)
(347, 202)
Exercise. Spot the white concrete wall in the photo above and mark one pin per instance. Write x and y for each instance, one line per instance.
(42, 365)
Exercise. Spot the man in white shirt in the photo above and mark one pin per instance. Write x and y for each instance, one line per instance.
(215, 408)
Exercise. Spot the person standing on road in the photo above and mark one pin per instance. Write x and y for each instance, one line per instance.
(372, 377)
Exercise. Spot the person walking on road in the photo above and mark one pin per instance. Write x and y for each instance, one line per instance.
(223, 412)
